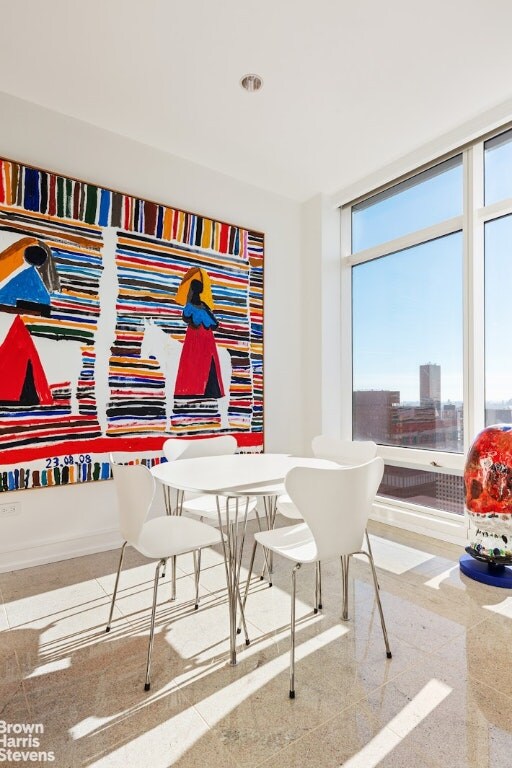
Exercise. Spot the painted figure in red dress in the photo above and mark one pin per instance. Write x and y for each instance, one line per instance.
(199, 373)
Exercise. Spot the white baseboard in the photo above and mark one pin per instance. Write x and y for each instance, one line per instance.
(65, 549)
(451, 528)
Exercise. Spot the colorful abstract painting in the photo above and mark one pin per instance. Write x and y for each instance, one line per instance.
(122, 322)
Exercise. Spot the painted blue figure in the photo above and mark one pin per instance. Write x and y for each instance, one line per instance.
(28, 276)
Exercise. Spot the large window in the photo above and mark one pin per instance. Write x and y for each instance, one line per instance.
(407, 342)
(428, 265)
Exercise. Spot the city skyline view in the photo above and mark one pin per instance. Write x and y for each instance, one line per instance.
(382, 415)
(427, 422)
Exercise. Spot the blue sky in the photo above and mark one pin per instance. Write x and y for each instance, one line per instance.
(407, 311)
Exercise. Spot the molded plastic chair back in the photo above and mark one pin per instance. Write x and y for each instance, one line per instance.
(335, 503)
(135, 486)
(343, 451)
(222, 445)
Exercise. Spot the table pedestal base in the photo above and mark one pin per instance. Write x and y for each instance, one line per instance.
(494, 575)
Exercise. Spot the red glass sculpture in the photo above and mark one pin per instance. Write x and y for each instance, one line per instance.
(488, 483)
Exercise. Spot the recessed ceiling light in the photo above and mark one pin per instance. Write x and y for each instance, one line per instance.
(251, 83)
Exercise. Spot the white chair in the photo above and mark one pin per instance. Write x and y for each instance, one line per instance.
(335, 504)
(202, 506)
(157, 539)
(345, 452)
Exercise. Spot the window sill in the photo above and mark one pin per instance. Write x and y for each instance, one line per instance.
(428, 522)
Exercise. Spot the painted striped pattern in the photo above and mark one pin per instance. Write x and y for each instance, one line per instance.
(155, 245)
(58, 197)
(149, 274)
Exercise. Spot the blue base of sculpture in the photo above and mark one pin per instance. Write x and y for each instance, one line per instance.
(494, 575)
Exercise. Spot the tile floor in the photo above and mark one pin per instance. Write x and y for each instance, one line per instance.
(444, 699)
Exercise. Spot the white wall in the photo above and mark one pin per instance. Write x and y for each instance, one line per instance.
(321, 317)
(61, 522)
(311, 235)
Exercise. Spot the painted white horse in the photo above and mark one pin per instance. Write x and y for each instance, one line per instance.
(61, 358)
(167, 350)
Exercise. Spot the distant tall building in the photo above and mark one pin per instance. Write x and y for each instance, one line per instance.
(430, 385)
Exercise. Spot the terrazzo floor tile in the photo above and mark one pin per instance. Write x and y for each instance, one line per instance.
(352, 739)
(447, 716)
(435, 547)
(139, 570)
(254, 717)
(134, 601)
(13, 702)
(483, 651)
(423, 618)
(47, 607)
(14, 707)
(395, 557)
(4, 624)
(356, 664)
(41, 579)
(122, 726)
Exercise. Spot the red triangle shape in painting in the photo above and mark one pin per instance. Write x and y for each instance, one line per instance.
(16, 352)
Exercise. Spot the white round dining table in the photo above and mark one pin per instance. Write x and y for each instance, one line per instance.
(254, 474)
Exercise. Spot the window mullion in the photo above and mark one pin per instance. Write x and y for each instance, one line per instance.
(346, 330)
(446, 227)
(474, 333)
(503, 208)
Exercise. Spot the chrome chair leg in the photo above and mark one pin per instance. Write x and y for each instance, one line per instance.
(162, 575)
(265, 565)
(248, 581)
(318, 587)
(168, 500)
(177, 510)
(242, 622)
(173, 577)
(121, 556)
(369, 548)
(270, 503)
(292, 633)
(379, 604)
(238, 569)
(197, 572)
(266, 554)
(147, 684)
(345, 560)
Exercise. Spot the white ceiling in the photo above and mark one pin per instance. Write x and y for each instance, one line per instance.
(348, 86)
